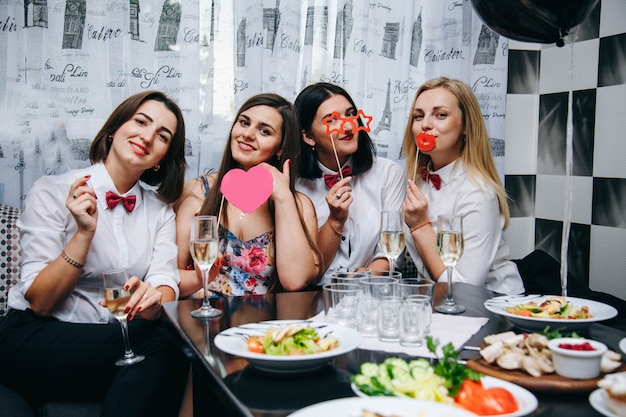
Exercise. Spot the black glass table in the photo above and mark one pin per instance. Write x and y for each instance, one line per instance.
(224, 385)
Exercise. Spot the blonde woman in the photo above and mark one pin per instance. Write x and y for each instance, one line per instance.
(454, 173)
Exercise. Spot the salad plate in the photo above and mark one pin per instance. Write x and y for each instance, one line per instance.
(599, 312)
(526, 400)
(622, 345)
(385, 406)
(231, 342)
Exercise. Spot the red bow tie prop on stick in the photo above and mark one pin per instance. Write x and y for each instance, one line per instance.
(114, 199)
(331, 123)
(434, 178)
(331, 179)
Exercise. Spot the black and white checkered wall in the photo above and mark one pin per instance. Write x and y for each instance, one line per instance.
(593, 198)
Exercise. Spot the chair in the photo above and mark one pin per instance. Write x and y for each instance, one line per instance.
(11, 403)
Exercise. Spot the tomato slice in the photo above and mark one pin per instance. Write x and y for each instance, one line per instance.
(425, 141)
(485, 401)
(255, 345)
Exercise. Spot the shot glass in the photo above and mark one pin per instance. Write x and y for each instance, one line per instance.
(389, 319)
(347, 276)
(419, 286)
(377, 286)
(412, 320)
(368, 316)
(340, 303)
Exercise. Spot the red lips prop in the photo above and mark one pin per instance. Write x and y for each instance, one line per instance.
(425, 141)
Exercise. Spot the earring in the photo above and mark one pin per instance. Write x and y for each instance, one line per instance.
(156, 168)
(110, 138)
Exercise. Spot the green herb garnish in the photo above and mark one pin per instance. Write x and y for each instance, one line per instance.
(556, 333)
(448, 366)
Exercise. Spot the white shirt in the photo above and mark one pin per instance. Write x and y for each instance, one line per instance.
(144, 242)
(486, 257)
(379, 188)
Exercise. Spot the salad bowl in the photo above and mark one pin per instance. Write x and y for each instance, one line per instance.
(599, 312)
(231, 342)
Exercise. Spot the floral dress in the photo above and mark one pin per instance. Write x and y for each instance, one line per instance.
(248, 265)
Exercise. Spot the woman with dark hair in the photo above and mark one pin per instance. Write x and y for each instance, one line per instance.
(62, 340)
(273, 248)
(453, 172)
(348, 184)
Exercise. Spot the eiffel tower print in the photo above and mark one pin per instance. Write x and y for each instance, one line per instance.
(385, 121)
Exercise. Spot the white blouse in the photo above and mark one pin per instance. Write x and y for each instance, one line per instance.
(380, 188)
(486, 256)
(143, 241)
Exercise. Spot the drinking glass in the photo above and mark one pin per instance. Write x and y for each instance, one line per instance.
(116, 298)
(203, 245)
(450, 245)
(392, 238)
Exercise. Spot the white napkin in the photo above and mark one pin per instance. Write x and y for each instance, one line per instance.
(447, 328)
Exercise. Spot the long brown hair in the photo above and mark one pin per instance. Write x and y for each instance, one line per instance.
(290, 149)
(170, 177)
(476, 150)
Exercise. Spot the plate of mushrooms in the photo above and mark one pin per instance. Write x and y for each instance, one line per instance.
(525, 360)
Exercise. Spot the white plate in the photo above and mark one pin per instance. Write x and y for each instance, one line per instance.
(597, 399)
(599, 311)
(387, 406)
(348, 339)
(526, 400)
(622, 345)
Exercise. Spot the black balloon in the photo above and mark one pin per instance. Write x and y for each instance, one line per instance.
(539, 21)
(563, 14)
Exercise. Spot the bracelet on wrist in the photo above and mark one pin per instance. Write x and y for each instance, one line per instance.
(421, 225)
(70, 260)
(333, 229)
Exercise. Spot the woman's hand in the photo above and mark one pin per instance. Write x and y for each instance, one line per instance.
(281, 188)
(81, 202)
(145, 300)
(339, 198)
(414, 206)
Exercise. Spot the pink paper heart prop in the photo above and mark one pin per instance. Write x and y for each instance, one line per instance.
(247, 190)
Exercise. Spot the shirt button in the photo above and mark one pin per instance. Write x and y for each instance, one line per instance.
(343, 238)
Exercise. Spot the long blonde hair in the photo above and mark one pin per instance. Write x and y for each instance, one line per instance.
(476, 149)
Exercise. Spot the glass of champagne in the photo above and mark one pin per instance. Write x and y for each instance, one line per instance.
(116, 298)
(392, 238)
(450, 245)
(203, 245)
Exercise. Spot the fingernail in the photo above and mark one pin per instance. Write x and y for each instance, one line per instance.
(126, 310)
(125, 287)
(87, 177)
(139, 309)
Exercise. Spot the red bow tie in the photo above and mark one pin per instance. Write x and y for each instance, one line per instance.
(114, 199)
(434, 178)
(331, 179)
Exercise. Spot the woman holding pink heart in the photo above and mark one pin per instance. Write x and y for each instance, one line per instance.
(349, 185)
(451, 171)
(268, 238)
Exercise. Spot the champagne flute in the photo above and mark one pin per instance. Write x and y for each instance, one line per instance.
(116, 298)
(392, 238)
(203, 245)
(450, 245)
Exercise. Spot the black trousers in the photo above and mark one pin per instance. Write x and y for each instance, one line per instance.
(44, 359)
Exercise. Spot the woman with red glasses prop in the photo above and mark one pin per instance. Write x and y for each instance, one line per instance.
(349, 185)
